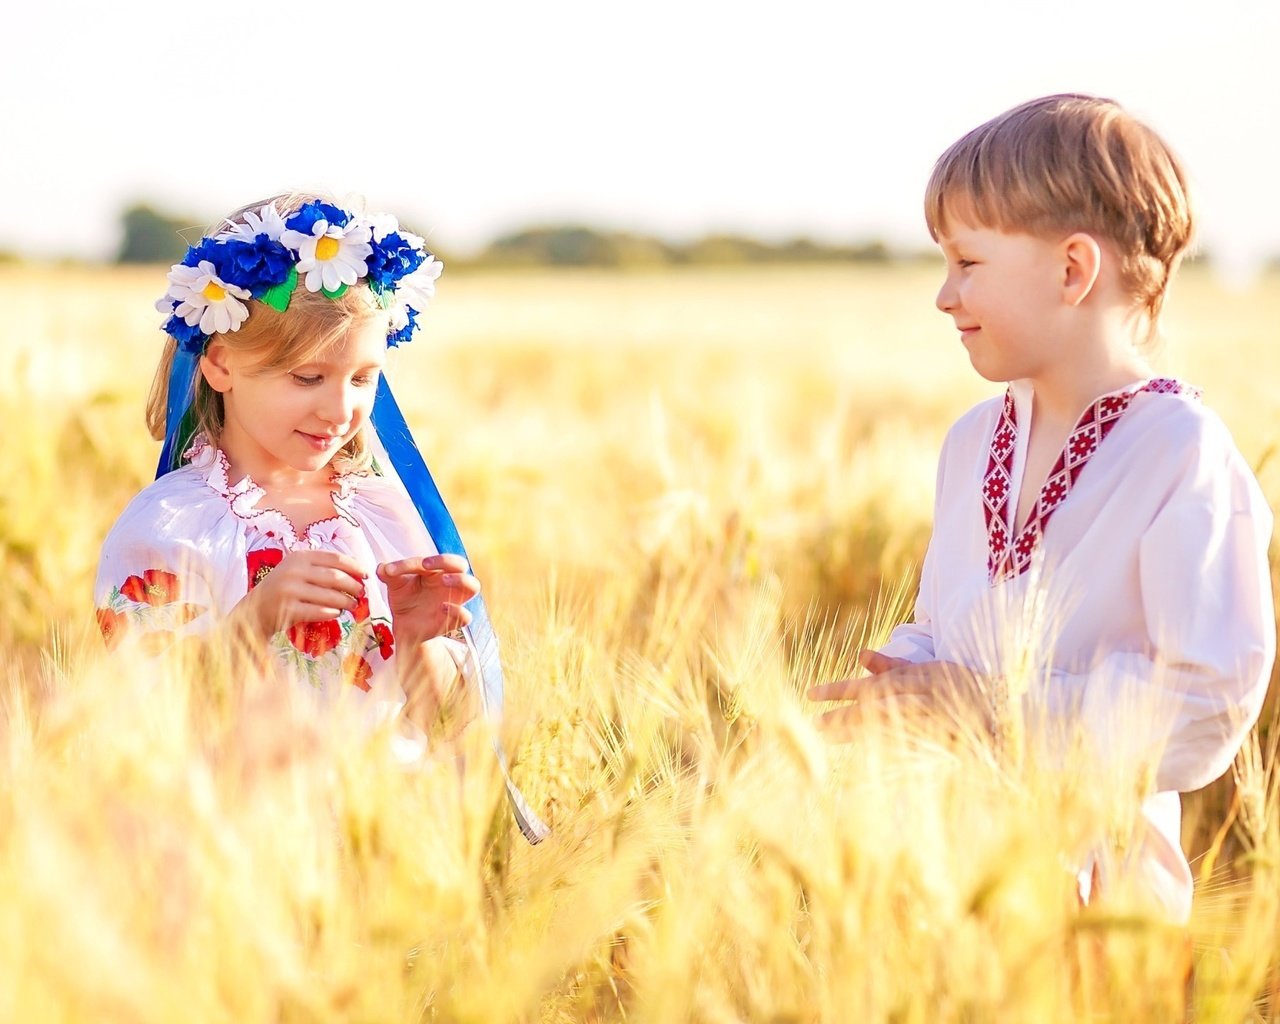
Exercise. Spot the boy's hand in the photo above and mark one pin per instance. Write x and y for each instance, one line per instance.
(307, 586)
(427, 595)
(934, 688)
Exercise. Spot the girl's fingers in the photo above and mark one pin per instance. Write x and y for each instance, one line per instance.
(423, 566)
(457, 616)
(345, 564)
(444, 563)
(337, 580)
(469, 585)
(309, 611)
(332, 603)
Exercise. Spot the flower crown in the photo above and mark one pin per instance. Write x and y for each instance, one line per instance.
(264, 256)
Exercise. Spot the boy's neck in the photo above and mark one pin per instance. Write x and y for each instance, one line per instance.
(1099, 362)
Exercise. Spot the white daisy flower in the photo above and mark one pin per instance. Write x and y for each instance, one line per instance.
(399, 314)
(383, 224)
(267, 221)
(204, 298)
(331, 256)
(419, 288)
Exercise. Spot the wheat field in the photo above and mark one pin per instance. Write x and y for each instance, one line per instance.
(688, 494)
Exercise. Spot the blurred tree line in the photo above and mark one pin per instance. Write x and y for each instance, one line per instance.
(149, 235)
(582, 246)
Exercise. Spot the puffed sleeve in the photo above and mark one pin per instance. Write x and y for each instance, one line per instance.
(1184, 705)
(394, 530)
(153, 583)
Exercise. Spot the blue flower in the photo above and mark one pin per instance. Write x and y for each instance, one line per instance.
(307, 216)
(189, 338)
(256, 265)
(406, 332)
(205, 249)
(392, 259)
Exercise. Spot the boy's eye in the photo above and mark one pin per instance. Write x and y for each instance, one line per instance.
(364, 380)
(964, 264)
(306, 380)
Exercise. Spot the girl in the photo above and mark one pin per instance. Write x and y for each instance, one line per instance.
(1095, 520)
(291, 508)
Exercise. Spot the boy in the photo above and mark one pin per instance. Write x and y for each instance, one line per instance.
(1108, 499)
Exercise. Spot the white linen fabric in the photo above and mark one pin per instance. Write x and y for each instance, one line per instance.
(192, 544)
(1149, 598)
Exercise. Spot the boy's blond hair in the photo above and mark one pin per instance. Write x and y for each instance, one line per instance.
(277, 340)
(1068, 163)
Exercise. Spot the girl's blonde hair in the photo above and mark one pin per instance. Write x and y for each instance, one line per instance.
(277, 340)
(1068, 163)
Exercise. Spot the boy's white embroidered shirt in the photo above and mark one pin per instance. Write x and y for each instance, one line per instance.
(1151, 592)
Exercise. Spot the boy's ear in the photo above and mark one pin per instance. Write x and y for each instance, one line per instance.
(215, 364)
(1081, 265)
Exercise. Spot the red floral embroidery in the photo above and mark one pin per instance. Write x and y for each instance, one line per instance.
(315, 638)
(361, 611)
(386, 641)
(112, 624)
(357, 671)
(153, 587)
(1004, 562)
(261, 562)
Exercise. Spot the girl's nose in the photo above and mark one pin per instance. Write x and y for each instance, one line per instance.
(338, 404)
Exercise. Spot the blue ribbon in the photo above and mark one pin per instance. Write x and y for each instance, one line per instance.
(182, 378)
(409, 465)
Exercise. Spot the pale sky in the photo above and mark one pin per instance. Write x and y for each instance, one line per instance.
(675, 117)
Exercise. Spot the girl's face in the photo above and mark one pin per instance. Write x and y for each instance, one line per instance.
(282, 422)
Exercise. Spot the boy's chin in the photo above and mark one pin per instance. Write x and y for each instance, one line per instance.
(990, 373)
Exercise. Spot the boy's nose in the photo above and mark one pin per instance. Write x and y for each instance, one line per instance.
(946, 297)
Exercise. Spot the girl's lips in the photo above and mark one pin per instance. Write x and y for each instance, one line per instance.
(320, 441)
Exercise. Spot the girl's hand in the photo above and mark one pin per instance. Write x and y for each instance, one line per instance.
(307, 586)
(934, 688)
(427, 595)
(438, 698)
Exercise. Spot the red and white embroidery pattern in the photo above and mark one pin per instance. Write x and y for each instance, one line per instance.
(1008, 558)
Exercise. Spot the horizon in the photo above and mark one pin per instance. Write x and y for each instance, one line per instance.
(679, 122)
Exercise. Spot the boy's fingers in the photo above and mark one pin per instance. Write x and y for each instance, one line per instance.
(844, 689)
(875, 662)
(902, 682)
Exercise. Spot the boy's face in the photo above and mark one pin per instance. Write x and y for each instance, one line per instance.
(1004, 292)
(297, 418)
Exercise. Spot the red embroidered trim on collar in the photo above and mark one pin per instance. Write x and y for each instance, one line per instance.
(1006, 560)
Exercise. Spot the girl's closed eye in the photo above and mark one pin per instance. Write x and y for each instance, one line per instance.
(306, 379)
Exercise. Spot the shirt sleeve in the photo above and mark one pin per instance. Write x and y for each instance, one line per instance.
(150, 588)
(1184, 705)
(914, 640)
